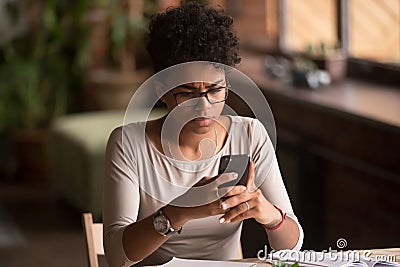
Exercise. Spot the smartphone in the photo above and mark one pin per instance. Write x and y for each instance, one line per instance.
(235, 163)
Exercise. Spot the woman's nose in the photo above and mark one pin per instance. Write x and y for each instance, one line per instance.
(202, 103)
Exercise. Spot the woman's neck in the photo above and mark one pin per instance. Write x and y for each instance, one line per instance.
(199, 145)
(193, 144)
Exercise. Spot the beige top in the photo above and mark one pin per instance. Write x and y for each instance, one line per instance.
(132, 160)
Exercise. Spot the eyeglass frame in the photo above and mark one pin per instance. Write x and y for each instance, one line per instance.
(201, 94)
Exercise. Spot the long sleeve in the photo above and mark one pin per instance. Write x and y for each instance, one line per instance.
(268, 175)
(121, 198)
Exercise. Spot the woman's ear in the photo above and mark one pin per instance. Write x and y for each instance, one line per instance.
(161, 90)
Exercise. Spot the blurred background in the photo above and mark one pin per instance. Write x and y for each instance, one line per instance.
(330, 70)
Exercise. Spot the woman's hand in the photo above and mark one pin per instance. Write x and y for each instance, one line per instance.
(203, 191)
(242, 204)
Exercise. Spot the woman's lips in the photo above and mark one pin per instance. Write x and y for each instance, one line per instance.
(203, 121)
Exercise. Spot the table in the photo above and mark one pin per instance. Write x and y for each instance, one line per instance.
(373, 253)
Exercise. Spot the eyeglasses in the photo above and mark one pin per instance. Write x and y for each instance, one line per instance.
(191, 99)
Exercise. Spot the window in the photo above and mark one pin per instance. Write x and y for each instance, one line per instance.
(370, 29)
(309, 25)
(374, 30)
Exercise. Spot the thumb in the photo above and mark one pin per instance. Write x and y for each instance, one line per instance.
(205, 180)
(250, 180)
(226, 179)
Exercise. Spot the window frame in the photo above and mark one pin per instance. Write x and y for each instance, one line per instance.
(357, 67)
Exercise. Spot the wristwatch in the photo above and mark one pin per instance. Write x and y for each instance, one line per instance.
(163, 225)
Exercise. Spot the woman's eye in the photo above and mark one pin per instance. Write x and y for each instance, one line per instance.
(214, 91)
(186, 94)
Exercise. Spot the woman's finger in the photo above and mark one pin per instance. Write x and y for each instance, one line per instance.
(242, 216)
(238, 212)
(233, 201)
(225, 178)
(220, 179)
(230, 191)
(250, 179)
(204, 181)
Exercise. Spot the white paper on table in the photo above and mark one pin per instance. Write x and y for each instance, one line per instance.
(177, 262)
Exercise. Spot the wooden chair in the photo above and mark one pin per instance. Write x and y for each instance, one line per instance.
(94, 239)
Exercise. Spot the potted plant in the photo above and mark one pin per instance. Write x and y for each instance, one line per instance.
(111, 83)
(38, 68)
(303, 71)
(122, 25)
(331, 59)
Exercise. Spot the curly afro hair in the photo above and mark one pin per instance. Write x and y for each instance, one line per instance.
(192, 32)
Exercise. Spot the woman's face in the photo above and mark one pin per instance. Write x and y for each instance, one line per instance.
(196, 105)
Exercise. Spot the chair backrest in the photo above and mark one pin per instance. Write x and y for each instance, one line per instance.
(94, 239)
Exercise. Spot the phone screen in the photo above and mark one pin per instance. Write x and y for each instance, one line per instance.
(235, 163)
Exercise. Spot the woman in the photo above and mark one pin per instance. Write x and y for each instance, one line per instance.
(147, 219)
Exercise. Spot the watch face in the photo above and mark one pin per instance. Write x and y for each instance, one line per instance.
(161, 224)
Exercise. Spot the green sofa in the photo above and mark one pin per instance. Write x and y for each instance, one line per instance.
(77, 149)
